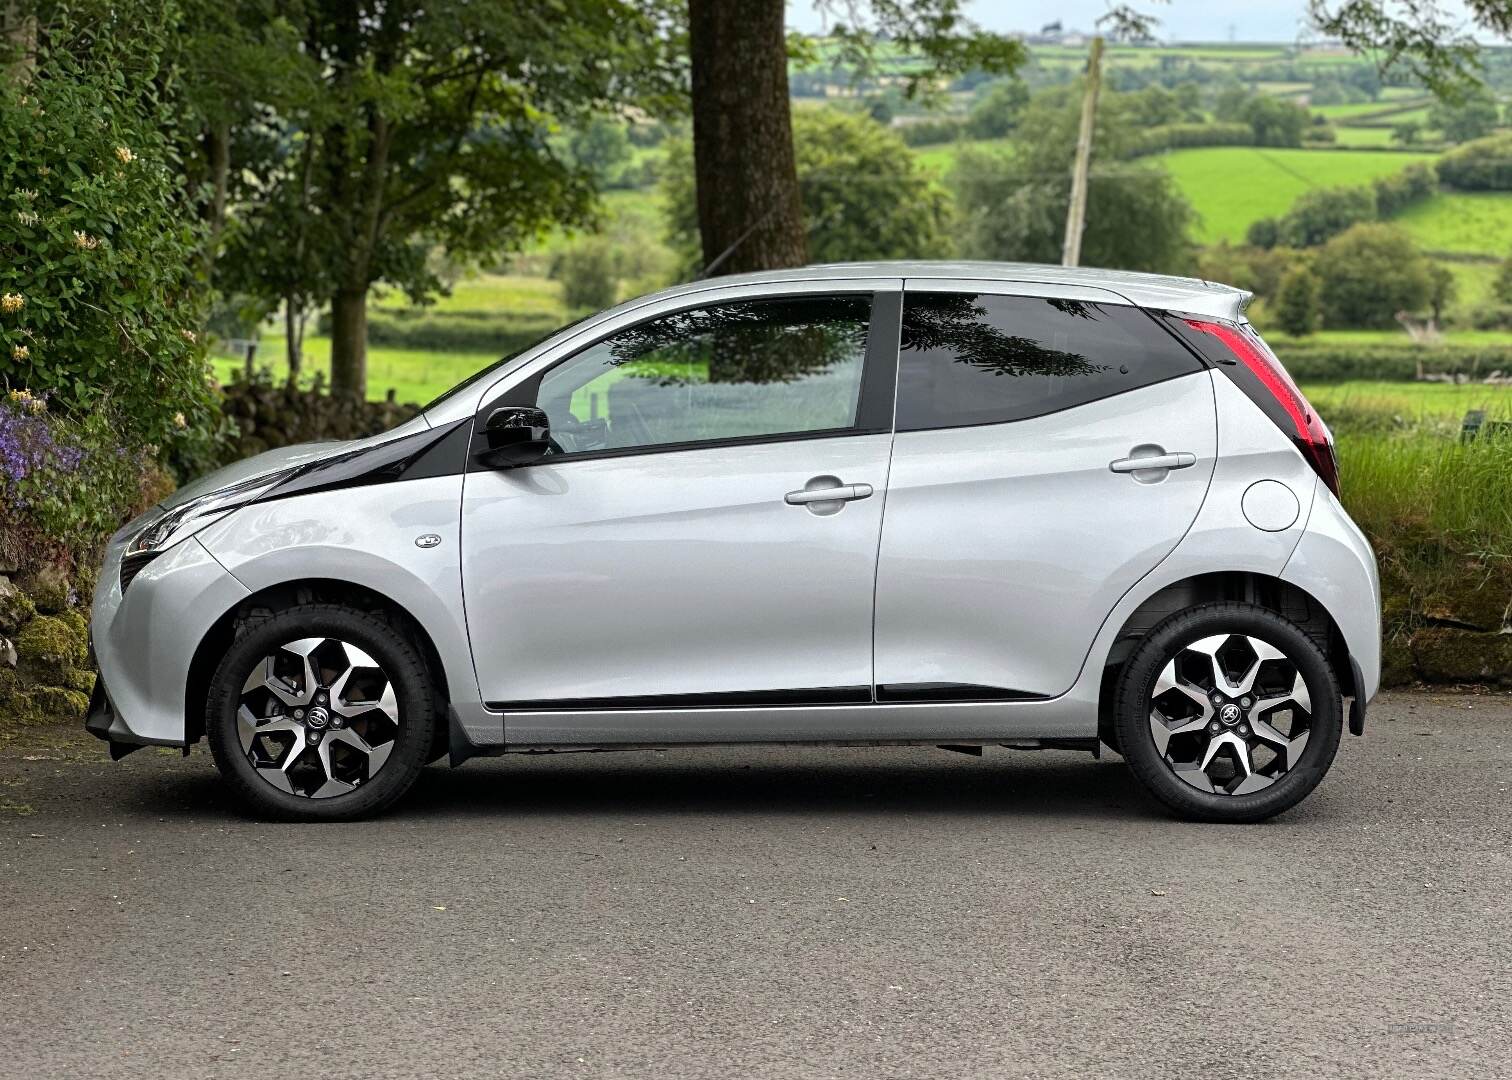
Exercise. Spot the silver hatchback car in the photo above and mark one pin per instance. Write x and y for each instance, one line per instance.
(956, 504)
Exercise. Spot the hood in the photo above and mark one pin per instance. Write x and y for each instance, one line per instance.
(286, 457)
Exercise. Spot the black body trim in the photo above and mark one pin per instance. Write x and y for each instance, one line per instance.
(1357, 700)
(438, 451)
(951, 692)
(821, 695)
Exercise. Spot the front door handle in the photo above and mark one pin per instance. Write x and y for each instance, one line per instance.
(1178, 460)
(839, 493)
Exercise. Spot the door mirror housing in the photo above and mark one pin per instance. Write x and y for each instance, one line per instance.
(515, 435)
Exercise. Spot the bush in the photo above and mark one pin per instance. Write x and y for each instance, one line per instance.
(587, 271)
(1275, 122)
(1369, 274)
(931, 132)
(1322, 213)
(1297, 307)
(1318, 361)
(455, 331)
(1164, 137)
(1263, 233)
(1482, 165)
(1396, 192)
(997, 112)
(65, 484)
(99, 247)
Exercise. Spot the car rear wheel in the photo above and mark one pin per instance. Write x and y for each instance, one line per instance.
(321, 712)
(1228, 712)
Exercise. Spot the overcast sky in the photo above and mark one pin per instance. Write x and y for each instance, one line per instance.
(1180, 20)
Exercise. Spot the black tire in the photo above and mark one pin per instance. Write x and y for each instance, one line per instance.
(1133, 706)
(399, 660)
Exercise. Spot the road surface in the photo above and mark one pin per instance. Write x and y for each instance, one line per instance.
(766, 913)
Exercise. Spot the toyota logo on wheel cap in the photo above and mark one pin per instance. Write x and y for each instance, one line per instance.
(1229, 714)
(317, 717)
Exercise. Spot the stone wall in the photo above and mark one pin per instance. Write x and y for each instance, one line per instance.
(45, 676)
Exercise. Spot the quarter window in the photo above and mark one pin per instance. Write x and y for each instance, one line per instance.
(753, 368)
(970, 358)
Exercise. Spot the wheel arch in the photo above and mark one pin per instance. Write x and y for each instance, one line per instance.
(274, 598)
(1286, 599)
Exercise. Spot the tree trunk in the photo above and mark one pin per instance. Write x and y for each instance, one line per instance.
(18, 36)
(750, 214)
(294, 337)
(218, 160)
(349, 342)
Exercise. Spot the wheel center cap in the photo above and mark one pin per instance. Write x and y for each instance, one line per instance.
(1229, 714)
(318, 717)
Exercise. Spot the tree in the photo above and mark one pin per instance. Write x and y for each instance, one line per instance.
(1425, 37)
(1013, 205)
(996, 113)
(432, 131)
(1369, 274)
(1482, 165)
(1501, 288)
(1443, 286)
(1473, 118)
(1297, 308)
(749, 205)
(864, 194)
(1275, 122)
(1407, 133)
(1324, 212)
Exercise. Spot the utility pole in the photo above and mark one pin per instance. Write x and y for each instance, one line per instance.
(1076, 214)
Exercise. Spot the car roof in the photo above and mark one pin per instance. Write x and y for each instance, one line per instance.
(1191, 295)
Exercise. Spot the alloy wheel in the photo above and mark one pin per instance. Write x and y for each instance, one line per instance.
(317, 717)
(1230, 714)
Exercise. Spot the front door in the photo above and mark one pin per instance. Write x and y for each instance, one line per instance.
(706, 532)
(1017, 513)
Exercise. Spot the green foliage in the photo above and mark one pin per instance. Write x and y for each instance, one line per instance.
(931, 131)
(1321, 359)
(1177, 136)
(65, 482)
(864, 194)
(1442, 289)
(1502, 287)
(99, 241)
(587, 273)
(1325, 212)
(1263, 233)
(1407, 133)
(997, 111)
(1481, 165)
(1013, 205)
(1473, 118)
(1396, 192)
(1298, 309)
(1274, 122)
(1369, 274)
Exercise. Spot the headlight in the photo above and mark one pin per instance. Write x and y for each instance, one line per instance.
(186, 519)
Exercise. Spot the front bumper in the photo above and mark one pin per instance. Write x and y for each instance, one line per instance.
(146, 638)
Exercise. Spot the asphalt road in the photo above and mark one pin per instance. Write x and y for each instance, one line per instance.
(766, 913)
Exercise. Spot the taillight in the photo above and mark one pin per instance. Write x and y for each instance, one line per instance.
(1283, 402)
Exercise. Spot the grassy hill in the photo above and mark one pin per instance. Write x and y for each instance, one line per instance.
(1463, 222)
(1231, 186)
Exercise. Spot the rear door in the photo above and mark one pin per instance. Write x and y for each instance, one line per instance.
(1018, 507)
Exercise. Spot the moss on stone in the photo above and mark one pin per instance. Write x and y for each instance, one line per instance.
(1397, 667)
(49, 648)
(49, 589)
(1442, 654)
(81, 680)
(16, 608)
(58, 704)
(75, 618)
(17, 707)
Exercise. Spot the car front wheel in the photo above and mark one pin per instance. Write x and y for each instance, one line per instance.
(1228, 712)
(321, 712)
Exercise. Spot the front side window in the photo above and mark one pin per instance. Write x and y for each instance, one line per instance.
(978, 358)
(751, 368)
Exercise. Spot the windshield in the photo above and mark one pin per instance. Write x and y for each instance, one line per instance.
(497, 364)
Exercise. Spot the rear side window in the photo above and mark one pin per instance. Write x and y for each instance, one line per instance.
(979, 358)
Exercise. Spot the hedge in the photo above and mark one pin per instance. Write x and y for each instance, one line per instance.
(1480, 165)
(487, 332)
(1164, 137)
(1336, 363)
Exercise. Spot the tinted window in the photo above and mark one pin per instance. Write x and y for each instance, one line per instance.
(981, 359)
(727, 371)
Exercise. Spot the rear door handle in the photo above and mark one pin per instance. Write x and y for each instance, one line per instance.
(842, 493)
(1179, 460)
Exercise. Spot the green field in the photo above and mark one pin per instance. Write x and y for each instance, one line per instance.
(1462, 221)
(416, 376)
(1411, 402)
(1232, 186)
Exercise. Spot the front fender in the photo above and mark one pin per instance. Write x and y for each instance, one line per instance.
(365, 536)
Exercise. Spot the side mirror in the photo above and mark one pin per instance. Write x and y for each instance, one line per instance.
(515, 435)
